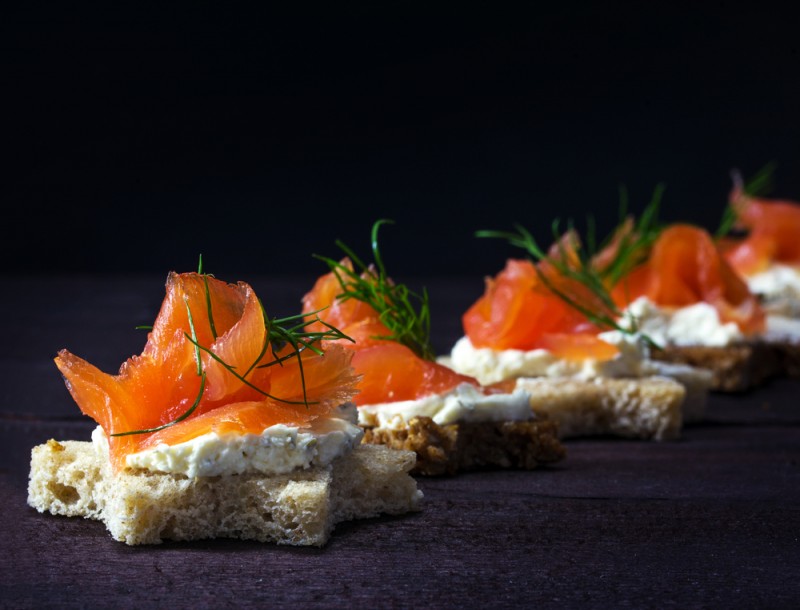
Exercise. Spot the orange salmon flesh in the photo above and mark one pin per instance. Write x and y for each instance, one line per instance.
(389, 371)
(246, 394)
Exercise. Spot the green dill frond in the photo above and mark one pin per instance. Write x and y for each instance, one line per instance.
(404, 312)
(633, 245)
(582, 272)
(759, 185)
(762, 183)
(629, 246)
(726, 223)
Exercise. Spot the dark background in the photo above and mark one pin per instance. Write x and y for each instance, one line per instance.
(136, 139)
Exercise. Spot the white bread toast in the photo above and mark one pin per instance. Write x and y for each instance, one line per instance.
(735, 368)
(645, 408)
(72, 478)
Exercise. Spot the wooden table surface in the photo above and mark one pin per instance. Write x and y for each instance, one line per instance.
(711, 520)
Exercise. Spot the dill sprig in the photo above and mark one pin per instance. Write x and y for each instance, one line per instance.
(633, 243)
(404, 312)
(279, 333)
(580, 270)
(629, 245)
(759, 185)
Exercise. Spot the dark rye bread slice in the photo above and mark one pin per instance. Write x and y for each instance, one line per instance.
(788, 355)
(783, 334)
(735, 368)
(451, 448)
(70, 478)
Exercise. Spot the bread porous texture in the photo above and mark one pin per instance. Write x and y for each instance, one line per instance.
(788, 356)
(735, 368)
(451, 448)
(646, 408)
(301, 508)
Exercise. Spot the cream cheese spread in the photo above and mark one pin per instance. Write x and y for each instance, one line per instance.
(464, 403)
(697, 324)
(691, 325)
(782, 328)
(779, 287)
(489, 365)
(277, 450)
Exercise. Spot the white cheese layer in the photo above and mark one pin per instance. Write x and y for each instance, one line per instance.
(779, 286)
(490, 365)
(782, 328)
(697, 324)
(464, 403)
(277, 450)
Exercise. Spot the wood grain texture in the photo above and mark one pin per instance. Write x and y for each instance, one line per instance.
(711, 520)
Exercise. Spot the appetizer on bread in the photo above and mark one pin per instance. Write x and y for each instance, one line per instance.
(229, 424)
(765, 250)
(407, 400)
(550, 323)
(691, 302)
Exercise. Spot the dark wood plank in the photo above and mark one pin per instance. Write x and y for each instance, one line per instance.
(710, 520)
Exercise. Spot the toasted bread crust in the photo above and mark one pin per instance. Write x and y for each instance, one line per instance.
(735, 368)
(452, 448)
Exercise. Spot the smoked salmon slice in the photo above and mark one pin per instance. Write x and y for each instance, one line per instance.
(389, 371)
(351, 316)
(209, 352)
(773, 233)
(686, 267)
(524, 308)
